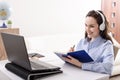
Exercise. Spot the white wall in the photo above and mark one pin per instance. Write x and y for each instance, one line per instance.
(43, 17)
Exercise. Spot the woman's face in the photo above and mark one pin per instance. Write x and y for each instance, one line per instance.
(91, 27)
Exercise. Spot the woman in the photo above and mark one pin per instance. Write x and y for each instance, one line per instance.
(96, 43)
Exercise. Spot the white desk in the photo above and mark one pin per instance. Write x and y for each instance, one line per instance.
(70, 72)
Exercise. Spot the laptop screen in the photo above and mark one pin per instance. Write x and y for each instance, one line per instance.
(16, 49)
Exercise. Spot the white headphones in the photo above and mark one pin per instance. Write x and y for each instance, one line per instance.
(102, 25)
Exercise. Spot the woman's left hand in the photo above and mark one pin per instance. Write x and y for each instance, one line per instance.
(73, 61)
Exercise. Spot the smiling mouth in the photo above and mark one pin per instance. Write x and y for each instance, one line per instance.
(89, 33)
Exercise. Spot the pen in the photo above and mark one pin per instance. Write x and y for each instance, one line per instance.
(34, 55)
(73, 46)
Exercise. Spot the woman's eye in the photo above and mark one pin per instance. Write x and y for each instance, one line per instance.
(91, 26)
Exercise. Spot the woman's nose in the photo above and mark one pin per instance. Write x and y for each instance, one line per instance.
(87, 28)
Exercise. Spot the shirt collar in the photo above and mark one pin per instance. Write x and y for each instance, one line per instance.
(98, 40)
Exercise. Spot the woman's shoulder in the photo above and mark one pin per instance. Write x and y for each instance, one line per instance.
(83, 40)
(108, 43)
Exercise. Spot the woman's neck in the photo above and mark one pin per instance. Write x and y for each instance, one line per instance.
(94, 38)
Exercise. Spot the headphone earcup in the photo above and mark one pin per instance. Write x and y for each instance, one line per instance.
(102, 27)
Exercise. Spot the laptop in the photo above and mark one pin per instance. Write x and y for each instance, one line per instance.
(17, 53)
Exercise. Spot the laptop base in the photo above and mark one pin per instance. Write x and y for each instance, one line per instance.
(27, 75)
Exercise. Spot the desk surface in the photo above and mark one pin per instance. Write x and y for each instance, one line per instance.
(70, 72)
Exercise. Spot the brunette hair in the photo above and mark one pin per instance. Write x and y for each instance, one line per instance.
(99, 20)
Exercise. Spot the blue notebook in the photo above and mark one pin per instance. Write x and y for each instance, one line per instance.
(81, 55)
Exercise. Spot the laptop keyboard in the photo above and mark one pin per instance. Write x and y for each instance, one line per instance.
(37, 66)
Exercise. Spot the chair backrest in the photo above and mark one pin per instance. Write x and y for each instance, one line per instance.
(117, 58)
(116, 45)
(115, 51)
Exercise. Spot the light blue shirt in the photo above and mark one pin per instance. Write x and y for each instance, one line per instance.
(102, 53)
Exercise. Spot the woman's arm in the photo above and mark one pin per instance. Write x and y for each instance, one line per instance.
(104, 64)
(73, 61)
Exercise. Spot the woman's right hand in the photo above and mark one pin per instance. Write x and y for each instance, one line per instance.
(71, 49)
